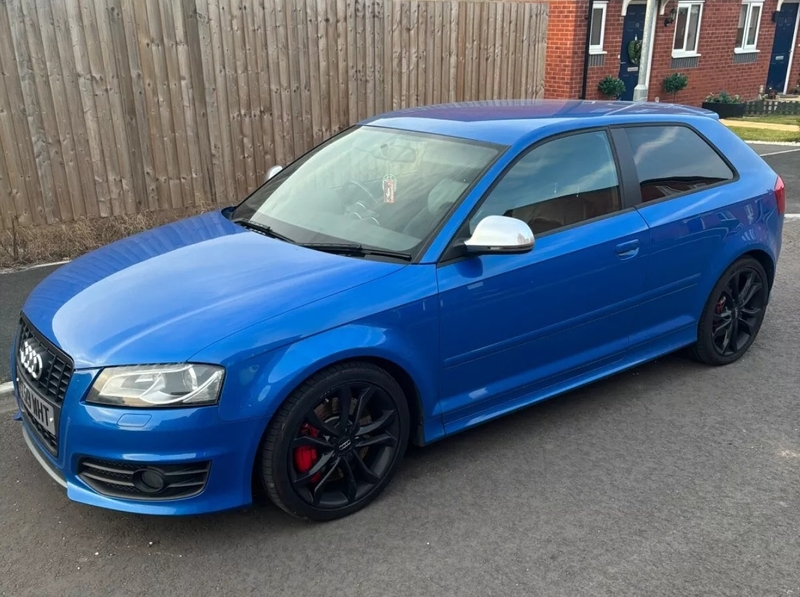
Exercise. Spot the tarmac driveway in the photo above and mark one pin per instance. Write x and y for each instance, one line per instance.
(670, 479)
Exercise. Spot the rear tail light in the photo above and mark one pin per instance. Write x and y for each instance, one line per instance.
(780, 195)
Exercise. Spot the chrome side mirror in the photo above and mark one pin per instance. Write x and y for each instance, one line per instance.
(272, 172)
(500, 234)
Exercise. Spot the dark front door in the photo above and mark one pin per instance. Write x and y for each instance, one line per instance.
(782, 47)
(632, 31)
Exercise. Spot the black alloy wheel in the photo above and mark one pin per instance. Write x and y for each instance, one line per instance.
(733, 314)
(336, 442)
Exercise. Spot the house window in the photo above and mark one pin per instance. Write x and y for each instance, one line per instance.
(598, 28)
(687, 29)
(749, 23)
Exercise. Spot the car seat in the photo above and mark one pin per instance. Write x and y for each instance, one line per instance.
(440, 198)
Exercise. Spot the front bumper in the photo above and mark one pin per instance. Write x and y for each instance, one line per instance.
(156, 437)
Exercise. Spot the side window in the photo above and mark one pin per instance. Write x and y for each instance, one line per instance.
(674, 159)
(561, 182)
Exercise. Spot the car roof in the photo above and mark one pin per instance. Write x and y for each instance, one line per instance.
(506, 122)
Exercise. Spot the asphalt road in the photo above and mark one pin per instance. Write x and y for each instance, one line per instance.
(671, 479)
(785, 160)
(14, 289)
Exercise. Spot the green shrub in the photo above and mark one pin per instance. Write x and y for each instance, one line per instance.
(723, 98)
(611, 87)
(674, 83)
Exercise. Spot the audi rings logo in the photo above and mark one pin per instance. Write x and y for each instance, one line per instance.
(31, 360)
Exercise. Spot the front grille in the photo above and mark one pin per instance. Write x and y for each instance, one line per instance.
(124, 479)
(56, 370)
(49, 440)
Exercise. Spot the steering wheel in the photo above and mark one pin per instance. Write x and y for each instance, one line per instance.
(363, 209)
(364, 191)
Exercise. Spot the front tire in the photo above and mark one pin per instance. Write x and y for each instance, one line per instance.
(733, 314)
(336, 442)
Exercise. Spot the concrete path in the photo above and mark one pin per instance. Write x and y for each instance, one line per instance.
(749, 124)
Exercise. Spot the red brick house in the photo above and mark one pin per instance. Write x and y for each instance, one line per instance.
(740, 46)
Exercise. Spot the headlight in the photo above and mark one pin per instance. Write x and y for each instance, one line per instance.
(157, 385)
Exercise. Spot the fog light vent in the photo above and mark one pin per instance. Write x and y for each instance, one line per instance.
(149, 481)
(142, 481)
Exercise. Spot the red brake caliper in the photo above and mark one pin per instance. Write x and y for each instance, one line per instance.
(306, 456)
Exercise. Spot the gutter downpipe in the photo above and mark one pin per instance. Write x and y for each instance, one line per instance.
(640, 91)
(586, 49)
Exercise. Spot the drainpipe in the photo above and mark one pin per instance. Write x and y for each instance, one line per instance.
(640, 91)
(586, 49)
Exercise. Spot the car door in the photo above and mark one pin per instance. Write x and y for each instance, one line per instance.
(514, 325)
(688, 209)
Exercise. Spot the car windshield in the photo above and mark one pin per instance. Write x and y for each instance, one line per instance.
(369, 187)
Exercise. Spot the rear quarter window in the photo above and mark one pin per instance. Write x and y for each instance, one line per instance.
(673, 160)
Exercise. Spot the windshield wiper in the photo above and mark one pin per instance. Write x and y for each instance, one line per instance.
(261, 228)
(354, 249)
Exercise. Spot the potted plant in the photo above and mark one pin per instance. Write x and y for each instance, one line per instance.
(611, 87)
(674, 83)
(724, 104)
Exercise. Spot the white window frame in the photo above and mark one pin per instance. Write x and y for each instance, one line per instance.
(745, 48)
(598, 49)
(683, 53)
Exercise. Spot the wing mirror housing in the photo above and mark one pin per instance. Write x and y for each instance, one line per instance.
(500, 234)
(272, 172)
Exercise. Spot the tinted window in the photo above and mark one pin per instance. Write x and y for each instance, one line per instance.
(674, 159)
(559, 183)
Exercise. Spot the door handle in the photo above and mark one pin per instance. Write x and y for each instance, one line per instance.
(628, 249)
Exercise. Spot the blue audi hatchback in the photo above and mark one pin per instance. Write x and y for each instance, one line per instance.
(416, 275)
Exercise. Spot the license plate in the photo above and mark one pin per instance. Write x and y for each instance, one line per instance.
(37, 409)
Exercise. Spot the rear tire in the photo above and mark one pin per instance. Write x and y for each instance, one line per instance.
(317, 464)
(733, 313)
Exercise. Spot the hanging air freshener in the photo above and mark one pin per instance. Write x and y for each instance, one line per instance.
(389, 187)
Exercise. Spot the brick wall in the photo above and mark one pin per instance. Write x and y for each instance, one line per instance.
(794, 81)
(611, 45)
(566, 34)
(794, 75)
(716, 70)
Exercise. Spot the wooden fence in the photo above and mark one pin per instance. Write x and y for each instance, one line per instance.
(116, 106)
(788, 108)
